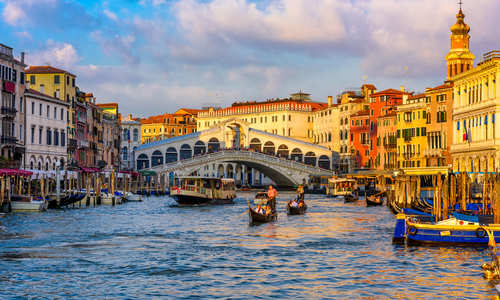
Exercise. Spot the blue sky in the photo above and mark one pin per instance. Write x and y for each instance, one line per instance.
(155, 56)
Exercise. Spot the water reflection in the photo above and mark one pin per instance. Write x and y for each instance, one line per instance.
(157, 249)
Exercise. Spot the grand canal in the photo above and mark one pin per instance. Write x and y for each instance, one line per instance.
(155, 249)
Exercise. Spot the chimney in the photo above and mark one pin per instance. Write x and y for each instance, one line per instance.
(330, 100)
(22, 57)
(402, 88)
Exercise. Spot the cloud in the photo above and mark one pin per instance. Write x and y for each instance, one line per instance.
(111, 15)
(57, 15)
(112, 44)
(55, 54)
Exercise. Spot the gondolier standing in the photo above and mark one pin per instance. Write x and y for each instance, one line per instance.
(272, 194)
(300, 193)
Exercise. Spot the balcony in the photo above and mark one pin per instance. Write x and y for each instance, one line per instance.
(8, 111)
(8, 139)
(433, 152)
(72, 144)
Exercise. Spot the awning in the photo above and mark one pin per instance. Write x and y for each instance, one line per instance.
(147, 173)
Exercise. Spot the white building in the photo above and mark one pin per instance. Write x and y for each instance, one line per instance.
(131, 139)
(46, 131)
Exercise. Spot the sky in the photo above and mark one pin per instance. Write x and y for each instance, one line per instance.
(156, 56)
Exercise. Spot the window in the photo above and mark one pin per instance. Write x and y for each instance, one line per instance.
(73, 82)
(63, 138)
(22, 77)
(21, 104)
(62, 114)
(55, 112)
(57, 79)
(32, 79)
(48, 111)
(49, 136)
(32, 135)
(33, 107)
(42, 88)
(20, 132)
(56, 138)
(40, 112)
(40, 135)
(67, 81)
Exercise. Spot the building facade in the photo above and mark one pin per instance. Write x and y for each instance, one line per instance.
(292, 117)
(131, 139)
(111, 136)
(412, 131)
(387, 141)
(360, 139)
(156, 128)
(46, 126)
(12, 127)
(325, 129)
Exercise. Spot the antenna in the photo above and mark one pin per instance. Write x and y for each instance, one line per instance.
(460, 3)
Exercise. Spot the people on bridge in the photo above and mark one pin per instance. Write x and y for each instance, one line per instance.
(271, 195)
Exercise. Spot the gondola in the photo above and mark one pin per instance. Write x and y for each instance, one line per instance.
(350, 198)
(374, 201)
(256, 218)
(291, 210)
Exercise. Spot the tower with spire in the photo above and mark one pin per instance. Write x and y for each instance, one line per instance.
(459, 59)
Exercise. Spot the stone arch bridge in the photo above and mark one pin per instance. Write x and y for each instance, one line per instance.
(233, 149)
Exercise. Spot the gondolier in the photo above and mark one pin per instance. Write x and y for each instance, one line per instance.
(272, 194)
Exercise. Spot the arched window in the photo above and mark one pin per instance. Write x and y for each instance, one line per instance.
(310, 158)
(124, 153)
(296, 155)
(170, 155)
(269, 148)
(324, 162)
(255, 145)
(136, 134)
(156, 158)
(283, 151)
(142, 162)
(185, 152)
(199, 148)
(213, 145)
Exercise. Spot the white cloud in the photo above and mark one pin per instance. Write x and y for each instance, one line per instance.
(14, 12)
(55, 54)
(111, 15)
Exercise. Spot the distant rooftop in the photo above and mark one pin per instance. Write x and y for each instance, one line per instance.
(45, 70)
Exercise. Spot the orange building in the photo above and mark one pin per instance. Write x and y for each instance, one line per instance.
(380, 103)
(386, 140)
(165, 126)
(360, 139)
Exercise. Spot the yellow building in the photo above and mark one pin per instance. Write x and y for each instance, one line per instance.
(476, 105)
(166, 126)
(292, 117)
(57, 83)
(411, 131)
(325, 126)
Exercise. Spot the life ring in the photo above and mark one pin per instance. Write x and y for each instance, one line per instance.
(480, 232)
(412, 230)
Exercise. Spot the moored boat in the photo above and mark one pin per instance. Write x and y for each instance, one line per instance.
(23, 203)
(374, 200)
(350, 198)
(341, 187)
(196, 190)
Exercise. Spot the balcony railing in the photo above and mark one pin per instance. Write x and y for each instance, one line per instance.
(8, 139)
(72, 144)
(8, 111)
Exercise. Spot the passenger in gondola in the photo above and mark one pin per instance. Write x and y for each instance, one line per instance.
(259, 209)
(271, 195)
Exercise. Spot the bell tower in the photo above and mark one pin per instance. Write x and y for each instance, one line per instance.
(459, 59)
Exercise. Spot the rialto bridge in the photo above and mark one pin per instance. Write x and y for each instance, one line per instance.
(234, 150)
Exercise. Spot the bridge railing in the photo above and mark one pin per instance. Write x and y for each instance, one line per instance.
(206, 158)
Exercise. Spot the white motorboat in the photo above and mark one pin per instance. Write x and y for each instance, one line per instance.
(27, 204)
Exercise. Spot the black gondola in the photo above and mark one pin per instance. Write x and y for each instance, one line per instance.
(295, 210)
(350, 198)
(256, 217)
(374, 201)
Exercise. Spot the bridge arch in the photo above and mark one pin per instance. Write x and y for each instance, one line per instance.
(200, 148)
(142, 162)
(324, 162)
(269, 148)
(170, 155)
(156, 158)
(283, 151)
(185, 152)
(213, 145)
(296, 155)
(256, 145)
(230, 171)
(310, 158)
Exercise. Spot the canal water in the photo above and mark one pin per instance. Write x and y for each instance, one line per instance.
(155, 249)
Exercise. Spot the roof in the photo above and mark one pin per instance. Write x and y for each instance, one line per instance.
(106, 105)
(369, 86)
(389, 91)
(37, 93)
(440, 87)
(189, 111)
(45, 70)
(417, 96)
(282, 103)
(361, 113)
